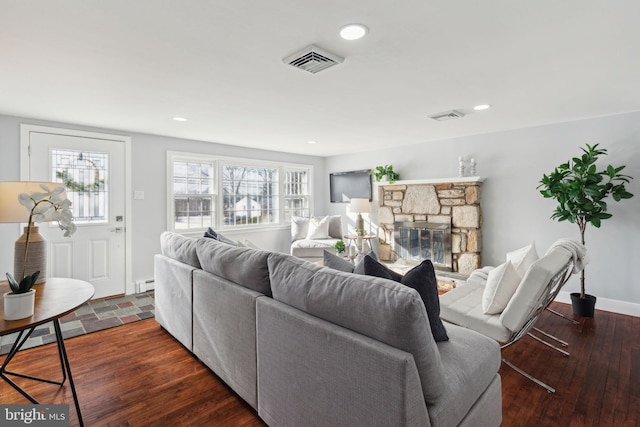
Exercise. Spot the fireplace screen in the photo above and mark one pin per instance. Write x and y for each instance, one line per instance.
(417, 241)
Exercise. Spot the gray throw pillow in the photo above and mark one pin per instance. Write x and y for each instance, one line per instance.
(336, 262)
(422, 278)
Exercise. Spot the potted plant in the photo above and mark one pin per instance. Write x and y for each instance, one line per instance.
(42, 206)
(582, 191)
(339, 247)
(380, 172)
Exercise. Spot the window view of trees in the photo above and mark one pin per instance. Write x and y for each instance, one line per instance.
(250, 195)
(193, 195)
(242, 193)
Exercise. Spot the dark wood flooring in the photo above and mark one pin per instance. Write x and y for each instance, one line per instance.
(138, 375)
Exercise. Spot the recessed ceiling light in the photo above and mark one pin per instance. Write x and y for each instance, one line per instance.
(312, 142)
(353, 31)
(179, 119)
(482, 107)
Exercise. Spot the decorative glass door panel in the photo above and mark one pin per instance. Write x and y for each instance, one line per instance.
(85, 174)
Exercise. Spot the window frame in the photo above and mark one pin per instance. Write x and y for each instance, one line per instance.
(218, 163)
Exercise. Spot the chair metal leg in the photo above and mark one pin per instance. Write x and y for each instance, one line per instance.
(575, 322)
(548, 335)
(540, 340)
(526, 375)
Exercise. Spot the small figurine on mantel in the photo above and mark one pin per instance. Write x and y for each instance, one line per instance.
(461, 166)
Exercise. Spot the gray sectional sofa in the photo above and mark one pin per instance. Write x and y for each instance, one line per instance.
(308, 345)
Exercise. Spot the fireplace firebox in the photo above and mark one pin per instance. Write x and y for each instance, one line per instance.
(420, 240)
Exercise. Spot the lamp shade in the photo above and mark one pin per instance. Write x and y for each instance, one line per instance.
(10, 208)
(359, 205)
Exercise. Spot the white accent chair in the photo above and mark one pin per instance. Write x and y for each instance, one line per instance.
(539, 286)
(311, 246)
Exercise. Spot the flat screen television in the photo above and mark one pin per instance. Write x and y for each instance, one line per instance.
(345, 186)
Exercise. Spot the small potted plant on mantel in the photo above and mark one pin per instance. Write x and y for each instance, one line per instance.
(581, 192)
(385, 173)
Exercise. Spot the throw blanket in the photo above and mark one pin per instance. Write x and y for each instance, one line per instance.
(577, 250)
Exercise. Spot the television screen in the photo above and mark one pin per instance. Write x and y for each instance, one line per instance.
(345, 186)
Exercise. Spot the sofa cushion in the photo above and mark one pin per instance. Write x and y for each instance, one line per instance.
(502, 283)
(463, 306)
(179, 247)
(311, 248)
(534, 285)
(378, 308)
(422, 278)
(318, 228)
(470, 363)
(244, 266)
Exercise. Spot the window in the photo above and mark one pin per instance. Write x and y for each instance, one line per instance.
(244, 193)
(85, 176)
(296, 193)
(193, 195)
(250, 195)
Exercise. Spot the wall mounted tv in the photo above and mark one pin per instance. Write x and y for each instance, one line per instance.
(345, 186)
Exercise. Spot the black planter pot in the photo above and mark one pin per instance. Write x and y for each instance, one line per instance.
(583, 307)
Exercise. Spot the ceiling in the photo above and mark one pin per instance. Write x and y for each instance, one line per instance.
(132, 65)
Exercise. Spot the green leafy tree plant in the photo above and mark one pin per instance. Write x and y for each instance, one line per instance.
(582, 191)
(339, 246)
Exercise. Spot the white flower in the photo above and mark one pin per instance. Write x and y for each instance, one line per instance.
(49, 206)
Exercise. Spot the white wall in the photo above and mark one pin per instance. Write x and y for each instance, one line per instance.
(514, 213)
(149, 175)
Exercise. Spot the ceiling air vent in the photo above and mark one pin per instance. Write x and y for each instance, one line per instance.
(447, 115)
(313, 59)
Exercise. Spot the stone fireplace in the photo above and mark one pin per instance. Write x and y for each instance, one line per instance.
(428, 210)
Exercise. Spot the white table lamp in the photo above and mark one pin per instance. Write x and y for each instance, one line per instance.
(359, 206)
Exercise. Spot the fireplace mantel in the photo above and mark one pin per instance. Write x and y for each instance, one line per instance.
(457, 180)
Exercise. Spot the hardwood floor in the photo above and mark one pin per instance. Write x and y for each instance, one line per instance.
(137, 375)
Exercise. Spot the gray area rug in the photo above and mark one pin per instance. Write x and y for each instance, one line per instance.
(92, 316)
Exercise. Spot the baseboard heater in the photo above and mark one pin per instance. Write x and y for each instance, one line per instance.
(145, 285)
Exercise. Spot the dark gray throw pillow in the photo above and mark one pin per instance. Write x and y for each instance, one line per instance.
(422, 278)
(212, 234)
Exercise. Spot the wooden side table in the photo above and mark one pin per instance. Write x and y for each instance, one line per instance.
(54, 299)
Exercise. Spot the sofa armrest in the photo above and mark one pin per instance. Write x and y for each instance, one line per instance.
(174, 297)
(314, 373)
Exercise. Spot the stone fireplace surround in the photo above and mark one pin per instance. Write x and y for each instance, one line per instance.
(449, 200)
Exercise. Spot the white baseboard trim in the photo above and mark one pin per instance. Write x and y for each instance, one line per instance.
(605, 304)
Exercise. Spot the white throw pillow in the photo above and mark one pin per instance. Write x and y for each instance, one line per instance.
(502, 283)
(523, 258)
(318, 228)
(299, 228)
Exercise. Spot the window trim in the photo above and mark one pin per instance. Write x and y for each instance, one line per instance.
(218, 162)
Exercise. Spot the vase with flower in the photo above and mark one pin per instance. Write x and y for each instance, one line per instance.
(29, 268)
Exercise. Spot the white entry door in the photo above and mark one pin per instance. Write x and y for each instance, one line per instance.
(93, 170)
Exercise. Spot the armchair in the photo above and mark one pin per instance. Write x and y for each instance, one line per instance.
(539, 286)
(311, 236)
